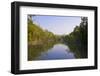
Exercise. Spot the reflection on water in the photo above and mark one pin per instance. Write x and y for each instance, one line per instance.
(49, 51)
(54, 51)
(80, 51)
(58, 51)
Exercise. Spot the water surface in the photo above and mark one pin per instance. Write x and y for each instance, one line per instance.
(56, 51)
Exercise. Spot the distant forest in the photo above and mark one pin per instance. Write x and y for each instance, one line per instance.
(76, 40)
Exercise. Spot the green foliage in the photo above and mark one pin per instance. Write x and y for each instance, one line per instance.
(77, 40)
(36, 35)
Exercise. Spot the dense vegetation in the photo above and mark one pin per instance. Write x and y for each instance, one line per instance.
(76, 40)
(37, 36)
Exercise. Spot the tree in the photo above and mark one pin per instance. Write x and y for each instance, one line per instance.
(77, 40)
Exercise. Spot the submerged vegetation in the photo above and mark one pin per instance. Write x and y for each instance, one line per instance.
(41, 39)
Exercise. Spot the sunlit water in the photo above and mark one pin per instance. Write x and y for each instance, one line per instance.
(58, 51)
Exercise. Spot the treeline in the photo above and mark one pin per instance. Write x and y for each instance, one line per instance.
(37, 36)
(77, 40)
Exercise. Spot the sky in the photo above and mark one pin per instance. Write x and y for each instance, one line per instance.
(59, 25)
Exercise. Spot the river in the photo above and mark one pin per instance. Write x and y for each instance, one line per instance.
(58, 51)
(51, 52)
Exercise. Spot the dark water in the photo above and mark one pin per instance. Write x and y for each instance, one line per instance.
(50, 52)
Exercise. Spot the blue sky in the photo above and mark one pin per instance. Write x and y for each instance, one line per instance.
(57, 24)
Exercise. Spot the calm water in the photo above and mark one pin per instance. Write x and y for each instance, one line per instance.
(50, 52)
(58, 51)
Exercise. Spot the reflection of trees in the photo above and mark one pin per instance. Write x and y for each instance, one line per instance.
(40, 40)
(35, 51)
(78, 51)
